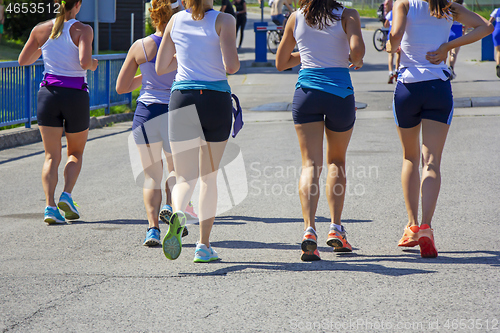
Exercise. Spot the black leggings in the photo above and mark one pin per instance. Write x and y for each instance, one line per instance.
(241, 21)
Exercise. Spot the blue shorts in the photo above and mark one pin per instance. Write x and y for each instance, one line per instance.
(312, 105)
(278, 19)
(415, 101)
(455, 32)
(150, 124)
(496, 35)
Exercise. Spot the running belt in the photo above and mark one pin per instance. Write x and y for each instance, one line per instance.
(73, 82)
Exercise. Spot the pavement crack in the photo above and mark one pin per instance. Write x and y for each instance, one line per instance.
(215, 310)
(51, 304)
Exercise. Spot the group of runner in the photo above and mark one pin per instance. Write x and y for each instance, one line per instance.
(185, 109)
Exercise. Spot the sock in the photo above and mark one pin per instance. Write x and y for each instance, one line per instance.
(337, 227)
(53, 207)
(154, 228)
(310, 229)
(68, 194)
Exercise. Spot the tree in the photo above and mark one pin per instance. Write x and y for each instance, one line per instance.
(22, 16)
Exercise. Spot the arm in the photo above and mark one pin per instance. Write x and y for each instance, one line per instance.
(225, 26)
(288, 6)
(31, 50)
(284, 57)
(85, 48)
(244, 9)
(481, 28)
(127, 81)
(352, 24)
(166, 52)
(399, 12)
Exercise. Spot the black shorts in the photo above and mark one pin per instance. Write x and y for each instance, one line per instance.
(422, 100)
(206, 113)
(58, 106)
(312, 105)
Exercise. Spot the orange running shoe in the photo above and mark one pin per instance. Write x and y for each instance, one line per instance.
(426, 242)
(410, 237)
(309, 246)
(337, 240)
(190, 211)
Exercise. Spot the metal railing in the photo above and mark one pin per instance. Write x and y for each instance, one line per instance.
(19, 88)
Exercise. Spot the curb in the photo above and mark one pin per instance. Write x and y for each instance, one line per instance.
(24, 136)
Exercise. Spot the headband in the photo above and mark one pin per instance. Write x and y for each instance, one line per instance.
(174, 5)
(63, 3)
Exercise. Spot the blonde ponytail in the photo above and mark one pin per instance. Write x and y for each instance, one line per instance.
(197, 9)
(64, 7)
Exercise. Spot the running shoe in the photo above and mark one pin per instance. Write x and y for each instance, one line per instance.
(172, 243)
(190, 210)
(410, 237)
(166, 213)
(426, 242)
(309, 246)
(204, 254)
(391, 78)
(452, 73)
(498, 70)
(337, 239)
(53, 216)
(68, 206)
(152, 237)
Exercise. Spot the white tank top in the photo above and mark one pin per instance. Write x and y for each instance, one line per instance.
(423, 33)
(197, 44)
(61, 56)
(321, 48)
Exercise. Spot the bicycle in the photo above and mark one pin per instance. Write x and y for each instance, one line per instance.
(274, 38)
(380, 38)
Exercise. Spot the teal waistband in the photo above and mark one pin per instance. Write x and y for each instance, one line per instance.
(334, 80)
(221, 85)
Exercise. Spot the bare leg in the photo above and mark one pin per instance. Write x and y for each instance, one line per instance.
(410, 177)
(310, 137)
(51, 137)
(76, 144)
(497, 54)
(433, 138)
(453, 56)
(210, 157)
(169, 187)
(337, 143)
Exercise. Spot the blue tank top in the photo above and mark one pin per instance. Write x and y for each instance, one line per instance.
(155, 88)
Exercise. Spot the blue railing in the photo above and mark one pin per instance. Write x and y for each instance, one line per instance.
(19, 87)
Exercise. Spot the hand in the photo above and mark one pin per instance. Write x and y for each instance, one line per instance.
(356, 66)
(95, 62)
(438, 56)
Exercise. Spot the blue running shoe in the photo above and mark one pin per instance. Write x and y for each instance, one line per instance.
(172, 244)
(204, 254)
(68, 206)
(166, 213)
(52, 216)
(152, 237)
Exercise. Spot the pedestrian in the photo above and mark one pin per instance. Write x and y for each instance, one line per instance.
(328, 37)
(393, 70)
(423, 102)
(63, 100)
(227, 7)
(495, 17)
(150, 124)
(277, 12)
(241, 18)
(457, 30)
(203, 42)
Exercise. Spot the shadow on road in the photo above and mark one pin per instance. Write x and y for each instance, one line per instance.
(224, 219)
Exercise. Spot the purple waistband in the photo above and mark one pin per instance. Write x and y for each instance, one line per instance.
(73, 82)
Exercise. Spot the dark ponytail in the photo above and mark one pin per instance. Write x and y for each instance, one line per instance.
(65, 6)
(319, 13)
(440, 8)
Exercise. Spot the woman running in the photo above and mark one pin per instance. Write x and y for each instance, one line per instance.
(204, 43)
(150, 125)
(457, 30)
(328, 36)
(495, 17)
(63, 100)
(423, 102)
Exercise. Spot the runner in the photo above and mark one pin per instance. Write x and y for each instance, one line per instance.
(328, 36)
(198, 139)
(63, 100)
(495, 17)
(457, 30)
(393, 71)
(150, 125)
(423, 102)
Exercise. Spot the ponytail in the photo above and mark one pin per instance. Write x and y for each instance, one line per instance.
(440, 8)
(319, 13)
(197, 9)
(64, 7)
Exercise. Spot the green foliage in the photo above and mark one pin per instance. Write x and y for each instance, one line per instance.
(18, 26)
(149, 27)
